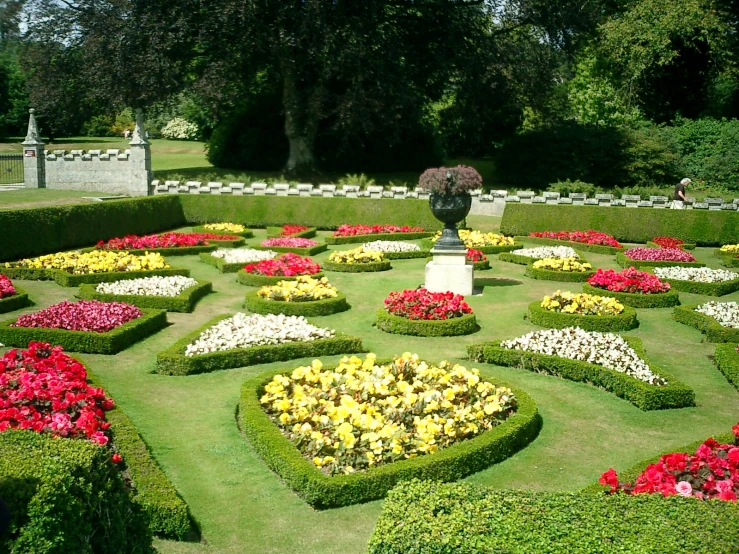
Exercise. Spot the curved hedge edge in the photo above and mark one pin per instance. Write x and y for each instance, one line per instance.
(253, 280)
(379, 236)
(428, 244)
(727, 361)
(704, 323)
(594, 248)
(728, 261)
(312, 251)
(16, 302)
(111, 342)
(554, 275)
(481, 265)
(326, 306)
(636, 300)
(167, 252)
(642, 395)
(65, 279)
(27, 274)
(390, 323)
(220, 264)
(407, 255)
(516, 258)
(624, 261)
(321, 491)
(370, 267)
(274, 233)
(183, 302)
(624, 321)
(709, 289)
(717, 253)
(685, 246)
(247, 234)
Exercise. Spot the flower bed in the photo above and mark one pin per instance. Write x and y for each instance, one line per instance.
(85, 326)
(289, 230)
(631, 287)
(302, 296)
(605, 360)
(11, 297)
(560, 269)
(304, 247)
(525, 256)
(669, 242)
(397, 250)
(588, 241)
(240, 340)
(586, 311)
(718, 320)
(428, 314)
(173, 294)
(346, 234)
(729, 255)
(726, 357)
(285, 267)
(478, 260)
(700, 280)
(487, 243)
(453, 462)
(656, 257)
(357, 260)
(224, 229)
(231, 260)
(171, 244)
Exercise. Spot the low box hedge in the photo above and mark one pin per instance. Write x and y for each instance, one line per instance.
(276, 232)
(71, 280)
(174, 362)
(604, 323)
(583, 246)
(434, 518)
(111, 342)
(684, 246)
(167, 252)
(428, 245)
(16, 302)
(247, 234)
(642, 395)
(554, 275)
(379, 236)
(706, 324)
(636, 300)
(718, 253)
(625, 261)
(514, 258)
(220, 263)
(727, 361)
(423, 253)
(426, 328)
(326, 306)
(323, 491)
(183, 302)
(709, 289)
(370, 267)
(254, 280)
(312, 251)
(481, 266)
(729, 261)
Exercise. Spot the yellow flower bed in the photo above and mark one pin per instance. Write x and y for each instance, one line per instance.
(582, 304)
(732, 248)
(563, 264)
(361, 415)
(225, 227)
(96, 261)
(302, 289)
(475, 239)
(355, 256)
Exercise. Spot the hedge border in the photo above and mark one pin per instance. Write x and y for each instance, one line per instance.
(514, 258)
(554, 275)
(667, 299)
(173, 361)
(705, 324)
(727, 362)
(184, 302)
(220, 264)
(624, 321)
(717, 253)
(464, 325)
(684, 246)
(407, 255)
(253, 280)
(307, 234)
(729, 261)
(321, 491)
(709, 289)
(313, 308)
(642, 395)
(482, 265)
(16, 302)
(379, 236)
(585, 247)
(625, 262)
(65, 279)
(426, 243)
(369, 267)
(168, 252)
(112, 342)
(247, 233)
(312, 251)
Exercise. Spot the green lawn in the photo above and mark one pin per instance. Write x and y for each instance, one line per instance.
(241, 506)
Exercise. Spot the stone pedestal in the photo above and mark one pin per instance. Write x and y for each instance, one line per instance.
(34, 160)
(449, 271)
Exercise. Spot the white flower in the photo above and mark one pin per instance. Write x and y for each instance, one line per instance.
(244, 331)
(542, 252)
(604, 349)
(725, 313)
(695, 274)
(243, 255)
(391, 246)
(148, 286)
(180, 129)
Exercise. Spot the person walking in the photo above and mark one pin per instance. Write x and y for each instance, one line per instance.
(126, 134)
(678, 199)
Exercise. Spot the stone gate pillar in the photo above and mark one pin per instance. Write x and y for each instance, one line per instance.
(34, 158)
(140, 158)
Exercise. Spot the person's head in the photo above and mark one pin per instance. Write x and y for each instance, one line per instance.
(685, 182)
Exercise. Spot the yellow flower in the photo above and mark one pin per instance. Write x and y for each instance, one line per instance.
(477, 239)
(302, 289)
(225, 227)
(581, 303)
(356, 256)
(563, 264)
(96, 261)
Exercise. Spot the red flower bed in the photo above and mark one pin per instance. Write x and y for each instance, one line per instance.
(421, 304)
(668, 242)
(6, 287)
(712, 472)
(288, 230)
(165, 240)
(659, 254)
(352, 230)
(287, 265)
(475, 255)
(288, 242)
(628, 280)
(586, 237)
(84, 315)
(44, 390)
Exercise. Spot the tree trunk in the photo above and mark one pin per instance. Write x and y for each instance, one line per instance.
(301, 121)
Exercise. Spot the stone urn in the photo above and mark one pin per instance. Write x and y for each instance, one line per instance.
(450, 209)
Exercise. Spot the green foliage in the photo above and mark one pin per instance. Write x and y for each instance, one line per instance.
(603, 323)
(465, 519)
(273, 232)
(567, 187)
(727, 361)
(356, 179)
(16, 302)
(456, 326)
(174, 362)
(705, 323)
(65, 279)
(624, 261)
(423, 253)
(98, 126)
(379, 236)
(321, 491)
(220, 263)
(247, 234)
(111, 342)
(641, 394)
(514, 258)
(635, 300)
(684, 246)
(66, 497)
(554, 275)
(481, 266)
(13, 94)
(254, 280)
(310, 251)
(709, 289)
(369, 267)
(313, 308)
(183, 302)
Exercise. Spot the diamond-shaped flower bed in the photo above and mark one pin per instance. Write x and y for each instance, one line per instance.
(419, 312)
(656, 257)
(173, 294)
(357, 260)
(631, 287)
(172, 244)
(699, 280)
(285, 267)
(304, 295)
(718, 320)
(301, 246)
(569, 270)
(347, 234)
(525, 256)
(224, 229)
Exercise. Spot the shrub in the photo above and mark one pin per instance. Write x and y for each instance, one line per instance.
(709, 289)
(727, 361)
(555, 275)
(365, 267)
(567, 187)
(629, 281)
(604, 323)
(589, 237)
(461, 179)
(15, 302)
(638, 300)
(254, 280)
(65, 279)
(180, 129)
(704, 323)
(313, 308)
(390, 323)
(183, 302)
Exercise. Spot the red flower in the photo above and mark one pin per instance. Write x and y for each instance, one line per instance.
(659, 254)
(352, 230)
(586, 237)
(609, 479)
(475, 256)
(668, 242)
(420, 304)
(116, 458)
(6, 287)
(285, 265)
(165, 240)
(628, 280)
(289, 230)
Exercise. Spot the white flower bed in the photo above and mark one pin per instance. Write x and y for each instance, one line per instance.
(391, 246)
(725, 313)
(148, 286)
(243, 255)
(542, 252)
(605, 349)
(695, 274)
(244, 331)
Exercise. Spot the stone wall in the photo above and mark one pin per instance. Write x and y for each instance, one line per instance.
(110, 171)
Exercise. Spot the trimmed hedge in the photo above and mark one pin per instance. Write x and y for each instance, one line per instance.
(426, 328)
(427, 244)
(727, 361)
(604, 323)
(517, 258)
(313, 308)
(65, 279)
(380, 236)
(370, 267)
(481, 266)
(704, 323)
(322, 491)
(407, 255)
(66, 497)
(312, 251)
(111, 342)
(254, 280)
(183, 302)
(174, 362)
(585, 247)
(171, 251)
(684, 246)
(701, 227)
(247, 234)
(625, 261)
(433, 518)
(730, 262)
(554, 275)
(274, 232)
(16, 302)
(220, 263)
(709, 289)
(642, 395)
(636, 300)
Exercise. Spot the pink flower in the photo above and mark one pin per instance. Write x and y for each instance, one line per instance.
(290, 243)
(659, 254)
(684, 488)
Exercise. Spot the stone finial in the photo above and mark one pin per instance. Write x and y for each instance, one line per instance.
(139, 134)
(32, 137)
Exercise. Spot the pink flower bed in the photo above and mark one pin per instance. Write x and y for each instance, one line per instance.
(628, 280)
(6, 287)
(659, 254)
(585, 237)
(290, 243)
(165, 240)
(353, 230)
(287, 265)
(84, 315)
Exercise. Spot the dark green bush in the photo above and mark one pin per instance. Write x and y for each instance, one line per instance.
(326, 306)
(636, 300)
(604, 323)
(481, 266)
(370, 267)
(514, 258)
(254, 280)
(16, 302)
(379, 236)
(567, 187)
(554, 275)
(426, 328)
(595, 248)
(641, 394)
(407, 255)
(706, 324)
(183, 302)
(624, 261)
(727, 361)
(311, 251)
(709, 289)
